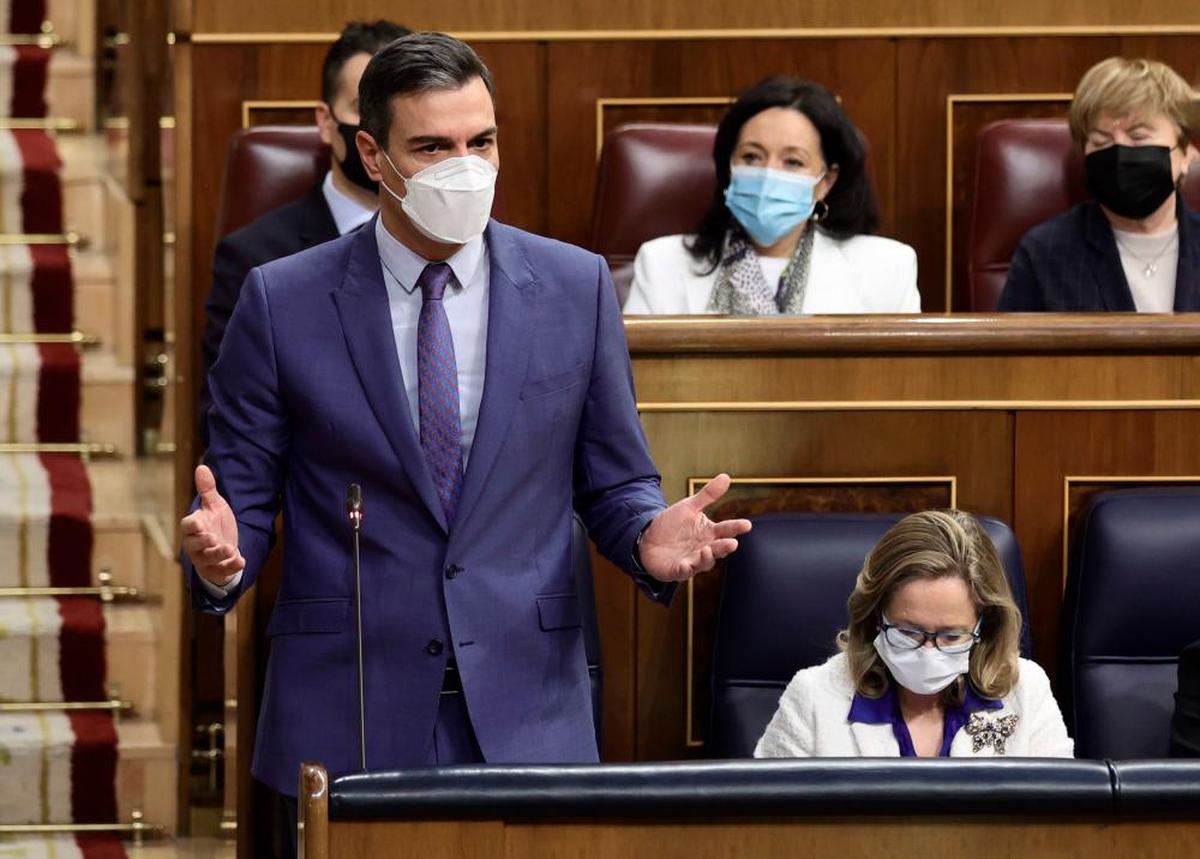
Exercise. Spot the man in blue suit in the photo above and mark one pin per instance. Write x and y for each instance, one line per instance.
(474, 379)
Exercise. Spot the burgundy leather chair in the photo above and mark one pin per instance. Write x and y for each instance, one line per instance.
(267, 166)
(1027, 171)
(655, 179)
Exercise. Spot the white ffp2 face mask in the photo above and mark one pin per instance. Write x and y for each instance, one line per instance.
(451, 201)
(924, 670)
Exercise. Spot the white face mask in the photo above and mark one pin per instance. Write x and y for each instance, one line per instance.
(451, 201)
(924, 670)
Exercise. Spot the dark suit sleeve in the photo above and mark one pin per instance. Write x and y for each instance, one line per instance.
(1022, 292)
(231, 264)
(250, 435)
(617, 487)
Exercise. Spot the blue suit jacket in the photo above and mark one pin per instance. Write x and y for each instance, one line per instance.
(308, 397)
(1071, 264)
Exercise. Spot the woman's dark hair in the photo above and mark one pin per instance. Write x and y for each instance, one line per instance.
(357, 37)
(420, 62)
(853, 209)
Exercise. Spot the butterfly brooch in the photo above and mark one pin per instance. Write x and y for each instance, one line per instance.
(992, 732)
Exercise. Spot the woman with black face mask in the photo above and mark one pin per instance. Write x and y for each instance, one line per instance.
(1135, 246)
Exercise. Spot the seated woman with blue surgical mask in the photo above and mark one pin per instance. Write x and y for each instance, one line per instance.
(929, 664)
(788, 228)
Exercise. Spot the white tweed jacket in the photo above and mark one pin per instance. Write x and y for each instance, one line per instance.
(811, 720)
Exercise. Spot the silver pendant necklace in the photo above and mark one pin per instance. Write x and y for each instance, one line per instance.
(1151, 265)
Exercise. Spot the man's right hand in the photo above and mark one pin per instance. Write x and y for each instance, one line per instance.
(210, 533)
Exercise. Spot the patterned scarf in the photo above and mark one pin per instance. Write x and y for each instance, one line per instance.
(742, 289)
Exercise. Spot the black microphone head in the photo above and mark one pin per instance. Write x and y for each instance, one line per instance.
(354, 500)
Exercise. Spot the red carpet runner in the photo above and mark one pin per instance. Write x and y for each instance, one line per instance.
(55, 767)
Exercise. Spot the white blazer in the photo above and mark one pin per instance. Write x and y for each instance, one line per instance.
(811, 720)
(863, 274)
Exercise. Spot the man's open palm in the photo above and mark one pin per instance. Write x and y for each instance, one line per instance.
(210, 533)
(683, 541)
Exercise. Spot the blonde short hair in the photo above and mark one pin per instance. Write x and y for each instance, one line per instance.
(932, 545)
(1120, 87)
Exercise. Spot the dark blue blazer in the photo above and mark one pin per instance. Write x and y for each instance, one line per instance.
(1071, 264)
(308, 397)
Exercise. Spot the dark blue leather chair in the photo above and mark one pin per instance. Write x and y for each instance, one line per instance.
(1132, 605)
(783, 601)
(581, 562)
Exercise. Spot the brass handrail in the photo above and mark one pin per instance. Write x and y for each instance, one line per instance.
(39, 123)
(47, 40)
(74, 338)
(109, 593)
(69, 238)
(106, 590)
(82, 448)
(116, 705)
(137, 827)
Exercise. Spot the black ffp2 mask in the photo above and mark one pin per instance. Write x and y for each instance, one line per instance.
(352, 164)
(1131, 181)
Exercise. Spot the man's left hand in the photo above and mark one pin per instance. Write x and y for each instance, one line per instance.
(683, 541)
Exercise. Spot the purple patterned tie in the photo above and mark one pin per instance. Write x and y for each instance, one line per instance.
(437, 386)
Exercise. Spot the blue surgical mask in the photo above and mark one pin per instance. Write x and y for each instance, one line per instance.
(770, 203)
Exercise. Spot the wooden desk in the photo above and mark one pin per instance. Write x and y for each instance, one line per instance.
(750, 809)
(1017, 417)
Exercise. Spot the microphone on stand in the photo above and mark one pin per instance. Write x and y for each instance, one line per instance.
(354, 511)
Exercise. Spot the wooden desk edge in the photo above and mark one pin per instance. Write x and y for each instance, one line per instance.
(1034, 333)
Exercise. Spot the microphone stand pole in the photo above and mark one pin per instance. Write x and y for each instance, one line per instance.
(354, 510)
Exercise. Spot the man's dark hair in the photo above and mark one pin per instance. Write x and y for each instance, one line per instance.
(357, 37)
(853, 208)
(420, 62)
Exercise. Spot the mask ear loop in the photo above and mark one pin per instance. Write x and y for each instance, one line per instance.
(395, 170)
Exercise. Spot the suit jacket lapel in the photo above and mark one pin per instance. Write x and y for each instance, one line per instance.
(1112, 289)
(1187, 272)
(316, 223)
(832, 283)
(511, 302)
(875, 740)
(366, 318)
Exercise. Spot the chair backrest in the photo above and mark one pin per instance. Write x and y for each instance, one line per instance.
(784, 599)
(267, 166)
(581, 565)
(1026, 172)
(654, 179)
(1132, 605)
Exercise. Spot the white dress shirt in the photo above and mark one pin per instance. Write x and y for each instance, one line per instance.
(466, 305)
(348, 213)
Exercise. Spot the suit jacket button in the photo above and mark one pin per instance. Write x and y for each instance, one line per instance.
(434, 647)
(453, 570)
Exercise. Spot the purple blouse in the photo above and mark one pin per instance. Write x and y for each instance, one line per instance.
(886, 710)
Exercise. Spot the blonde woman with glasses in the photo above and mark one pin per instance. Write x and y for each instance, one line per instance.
(929, 664)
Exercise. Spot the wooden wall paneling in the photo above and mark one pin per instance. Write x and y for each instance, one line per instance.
(928, 72)
(616, 610)
(975, 448)
(1053, 446)
(325, 16)
(579, 74)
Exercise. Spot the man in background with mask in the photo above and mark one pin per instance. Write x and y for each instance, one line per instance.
(1135, 246)
(344, 199)
(474, 380)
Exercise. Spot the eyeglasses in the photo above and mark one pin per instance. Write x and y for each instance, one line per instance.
(947, 641)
